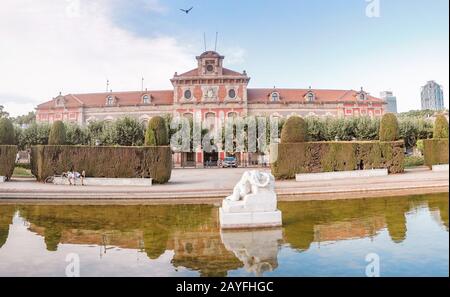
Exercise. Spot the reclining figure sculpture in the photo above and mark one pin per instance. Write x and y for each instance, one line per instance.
(252, 204)
(251, 181)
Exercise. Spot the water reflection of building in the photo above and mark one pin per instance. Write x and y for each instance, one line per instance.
(6, 217)
(439, 207)
(192, 232)
(319, 221)
(336, 231)
(203, 251)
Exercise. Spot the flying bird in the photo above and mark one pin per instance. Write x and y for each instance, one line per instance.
(186, 10)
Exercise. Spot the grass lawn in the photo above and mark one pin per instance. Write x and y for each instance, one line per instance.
(22, 172)
(413, 161)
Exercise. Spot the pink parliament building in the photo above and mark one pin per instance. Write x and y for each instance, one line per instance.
(210, 92)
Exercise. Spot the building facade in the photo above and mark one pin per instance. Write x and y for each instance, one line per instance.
(212, 93)
(391, 101)
(432, 96)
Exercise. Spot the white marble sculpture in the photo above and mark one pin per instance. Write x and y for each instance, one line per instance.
(252, 204)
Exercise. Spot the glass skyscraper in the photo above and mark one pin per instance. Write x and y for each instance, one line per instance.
(391, 101)
(432, 96)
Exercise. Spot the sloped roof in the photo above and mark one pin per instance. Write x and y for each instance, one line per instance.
(298, 95)
(122, 99)
(225, 72)
(210, 54)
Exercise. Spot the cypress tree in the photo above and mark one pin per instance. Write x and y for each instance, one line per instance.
(156, 134)
(7, 136)
(389, 130)
(57, 134)
(440, 127)
(294, 130)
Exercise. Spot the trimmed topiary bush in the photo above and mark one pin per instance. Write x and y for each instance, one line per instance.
(156, 133)
(7, 160)
(57, 134)
(435, 151)
(113, 162)
(7, 135)
(440, 127)
(389, 130)
(294, 130)
(314, 157)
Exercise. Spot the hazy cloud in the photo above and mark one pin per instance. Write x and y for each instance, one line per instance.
(72, 46)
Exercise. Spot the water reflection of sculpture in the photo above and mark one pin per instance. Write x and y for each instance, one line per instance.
(257, 249)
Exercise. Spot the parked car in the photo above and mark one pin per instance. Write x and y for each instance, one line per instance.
(229, 162)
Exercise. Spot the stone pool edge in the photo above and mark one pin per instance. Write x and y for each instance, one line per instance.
(217, 198)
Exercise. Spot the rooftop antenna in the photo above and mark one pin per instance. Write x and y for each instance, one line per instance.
(215, 46)
(107, 85)
(142, 84)
(204, 40)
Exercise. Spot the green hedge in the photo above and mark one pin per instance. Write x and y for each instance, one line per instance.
(113, 162)
(435, 151)
(8, 155)
(313, 157)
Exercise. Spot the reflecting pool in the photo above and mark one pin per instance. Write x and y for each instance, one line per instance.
(407, 235)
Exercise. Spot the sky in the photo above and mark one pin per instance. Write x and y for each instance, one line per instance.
(75, 46)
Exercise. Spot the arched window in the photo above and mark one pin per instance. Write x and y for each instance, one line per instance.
(109, 100)
(210, 119)
(60, 102)
(310, 97)
(232, 115)
(146, 99)
(188, 116)
(275, 96)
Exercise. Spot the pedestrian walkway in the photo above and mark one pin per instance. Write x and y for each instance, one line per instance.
(212, 185)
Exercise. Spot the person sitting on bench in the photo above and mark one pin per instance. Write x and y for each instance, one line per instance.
(74, 175)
